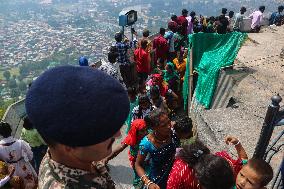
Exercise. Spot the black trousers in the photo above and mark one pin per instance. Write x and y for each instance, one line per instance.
(128, 74)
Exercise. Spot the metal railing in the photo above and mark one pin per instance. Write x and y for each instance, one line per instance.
(14, 115)
(266, 149)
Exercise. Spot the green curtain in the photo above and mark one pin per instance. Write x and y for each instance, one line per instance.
(211, 52)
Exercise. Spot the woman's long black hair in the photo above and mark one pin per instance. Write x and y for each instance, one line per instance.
(212, 172)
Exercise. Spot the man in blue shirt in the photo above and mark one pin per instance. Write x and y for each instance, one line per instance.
(169, 35)
(277, 17)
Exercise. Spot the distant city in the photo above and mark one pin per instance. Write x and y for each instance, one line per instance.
(38, 34)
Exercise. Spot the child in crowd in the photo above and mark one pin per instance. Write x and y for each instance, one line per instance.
(157, 100)
(256, 174)
(250, 174)
(172, 102)
(143, 108)
(238, 163)
(183, 128)
(137, 131)
(171, 76)
(132, 95)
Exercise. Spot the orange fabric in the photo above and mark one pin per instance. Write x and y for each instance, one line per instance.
(180, 67)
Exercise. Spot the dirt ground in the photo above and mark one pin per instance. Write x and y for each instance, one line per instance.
(260, 58)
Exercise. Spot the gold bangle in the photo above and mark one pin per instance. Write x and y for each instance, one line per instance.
(147, 182)
(143, 176)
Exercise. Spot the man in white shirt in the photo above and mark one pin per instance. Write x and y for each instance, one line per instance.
(111, 67)
(190, 20)
(239, 19)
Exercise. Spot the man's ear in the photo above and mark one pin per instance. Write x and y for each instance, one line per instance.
(67, 148)
(63, 148)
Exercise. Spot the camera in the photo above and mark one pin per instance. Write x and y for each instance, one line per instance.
(127, 18)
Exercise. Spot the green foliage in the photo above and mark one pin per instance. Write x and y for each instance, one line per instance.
(7, 75)
(1, 102)
(4, 105)
(29, 68)
(15, 93)
(12, 83)
(22, 86)
(20, 77)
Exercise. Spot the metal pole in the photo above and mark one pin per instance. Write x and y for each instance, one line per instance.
(122, 30)
(268, 127)
(190, 81)
(131, 34)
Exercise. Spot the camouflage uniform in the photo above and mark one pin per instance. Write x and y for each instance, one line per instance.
(53, 175)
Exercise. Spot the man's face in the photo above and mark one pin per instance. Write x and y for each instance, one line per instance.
(95, 152)
(248, 179)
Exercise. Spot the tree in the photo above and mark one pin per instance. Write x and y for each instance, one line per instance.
(7, 75)
(22, 86)
(24, 70)
(1, 101)
(12, 83)
(20, 77)
(15, 93)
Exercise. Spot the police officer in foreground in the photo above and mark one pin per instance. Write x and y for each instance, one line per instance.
(79, 112)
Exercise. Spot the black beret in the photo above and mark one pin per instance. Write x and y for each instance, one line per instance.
(77, 106)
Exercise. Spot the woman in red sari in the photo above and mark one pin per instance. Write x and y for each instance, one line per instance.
(196, 168)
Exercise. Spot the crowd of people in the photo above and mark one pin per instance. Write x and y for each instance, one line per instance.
(75, 113)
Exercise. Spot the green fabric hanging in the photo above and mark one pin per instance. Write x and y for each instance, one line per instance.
(211, 52)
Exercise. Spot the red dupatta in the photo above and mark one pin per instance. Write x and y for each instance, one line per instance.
(132, 138)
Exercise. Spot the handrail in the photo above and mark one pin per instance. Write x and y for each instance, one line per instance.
(14, 116)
